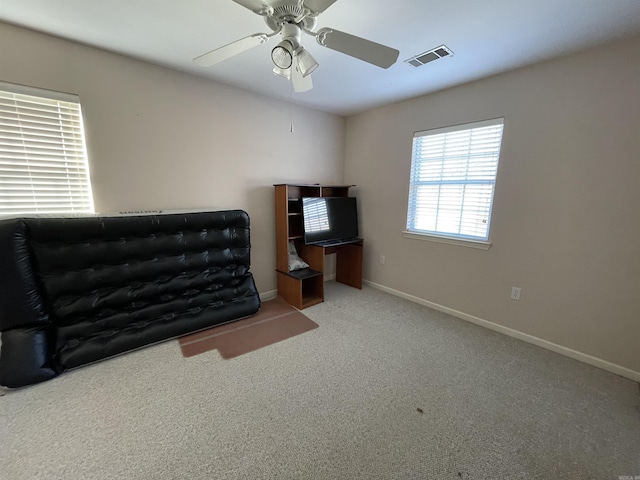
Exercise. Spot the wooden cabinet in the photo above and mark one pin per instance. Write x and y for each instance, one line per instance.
(305, 287)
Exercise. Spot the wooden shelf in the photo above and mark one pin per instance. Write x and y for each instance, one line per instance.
(304, 273)
(309, 301)
(303, 288)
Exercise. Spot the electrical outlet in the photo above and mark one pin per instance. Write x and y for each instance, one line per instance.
(515, 293)
(382, 259)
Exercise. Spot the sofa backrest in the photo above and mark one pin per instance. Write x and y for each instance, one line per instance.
(99, 286)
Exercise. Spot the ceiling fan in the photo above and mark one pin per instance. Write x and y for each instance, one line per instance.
(291, 18)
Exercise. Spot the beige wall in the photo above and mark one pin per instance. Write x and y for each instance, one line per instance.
(160, 139)
(566, 221)
(566, 214)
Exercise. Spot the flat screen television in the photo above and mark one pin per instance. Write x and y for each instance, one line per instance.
(330, 220)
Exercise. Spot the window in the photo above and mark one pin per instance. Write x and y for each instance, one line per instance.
(453, 175)
(43, 161)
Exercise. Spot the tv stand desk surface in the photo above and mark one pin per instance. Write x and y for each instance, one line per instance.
(336, 243)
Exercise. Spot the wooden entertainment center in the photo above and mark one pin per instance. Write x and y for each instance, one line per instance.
(305, 287)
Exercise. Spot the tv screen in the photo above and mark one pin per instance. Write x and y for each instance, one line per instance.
(329, 219)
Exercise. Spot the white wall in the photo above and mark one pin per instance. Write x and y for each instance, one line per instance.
(566, 215)
(160, 139)
(565, 226)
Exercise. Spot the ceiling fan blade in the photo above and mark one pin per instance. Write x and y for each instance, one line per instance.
(256, 6)
(365, 50)
(231, 49)
(318, 6)
(300, 83)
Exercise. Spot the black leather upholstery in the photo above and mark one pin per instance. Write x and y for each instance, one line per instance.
(77, 290)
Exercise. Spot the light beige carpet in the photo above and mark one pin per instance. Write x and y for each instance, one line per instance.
(338, 402)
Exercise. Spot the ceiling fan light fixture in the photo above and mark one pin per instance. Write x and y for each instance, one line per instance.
(282, 54)
(282, 72)
(306, 63)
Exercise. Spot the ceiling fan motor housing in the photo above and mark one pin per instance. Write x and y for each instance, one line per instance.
(291, 32)
(288, 12)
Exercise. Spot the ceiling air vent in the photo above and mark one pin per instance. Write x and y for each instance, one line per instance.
(429, 56)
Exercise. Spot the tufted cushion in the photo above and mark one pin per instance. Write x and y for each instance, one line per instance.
(111, 284)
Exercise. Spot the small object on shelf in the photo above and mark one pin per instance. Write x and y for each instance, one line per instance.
(295, 262)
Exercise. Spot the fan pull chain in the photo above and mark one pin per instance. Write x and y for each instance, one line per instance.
(291, 106)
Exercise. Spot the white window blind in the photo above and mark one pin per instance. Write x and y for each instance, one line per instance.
(453, 175)
(43, 161)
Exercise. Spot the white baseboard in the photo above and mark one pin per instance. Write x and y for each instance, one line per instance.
(269, 295)
(329, 277)
(583, 357)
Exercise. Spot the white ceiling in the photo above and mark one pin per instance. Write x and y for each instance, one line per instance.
(486, 36)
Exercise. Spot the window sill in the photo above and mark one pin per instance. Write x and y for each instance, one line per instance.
(479, 244)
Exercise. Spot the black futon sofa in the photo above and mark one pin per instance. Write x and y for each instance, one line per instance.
(77, 290)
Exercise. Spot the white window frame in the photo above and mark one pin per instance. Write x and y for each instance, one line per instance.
(442, 162)
(44, 168)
